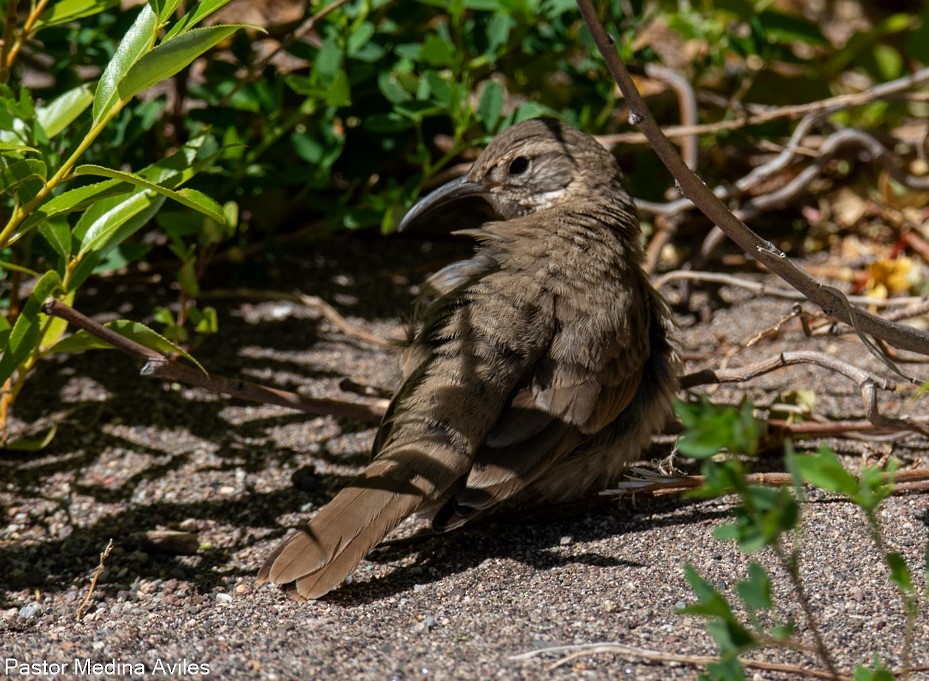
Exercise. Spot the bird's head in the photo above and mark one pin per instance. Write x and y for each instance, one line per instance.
(531, 166)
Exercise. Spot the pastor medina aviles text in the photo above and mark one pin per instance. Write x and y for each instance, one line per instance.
(87, 667)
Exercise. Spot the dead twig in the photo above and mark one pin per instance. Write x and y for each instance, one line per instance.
(766, 114)
(764, 289)
(93, 581)
(156, 365)
(867, 383)
(584, 649)
(646, 481)
(687, 105)
(314, 303)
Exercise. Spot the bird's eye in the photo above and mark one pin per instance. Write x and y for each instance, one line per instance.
(518, 165)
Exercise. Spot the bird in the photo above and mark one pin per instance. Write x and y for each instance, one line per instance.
(539, 367)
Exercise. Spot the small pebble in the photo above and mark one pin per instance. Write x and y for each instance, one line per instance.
(30, 610)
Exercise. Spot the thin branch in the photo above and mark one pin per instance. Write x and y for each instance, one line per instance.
(765, 290)
(313, 302)
(575, 651)
(687, 104)
(867, 383)
(646, 481)
(831, 300)
(767, 114)
(156, 365)
(93, 581)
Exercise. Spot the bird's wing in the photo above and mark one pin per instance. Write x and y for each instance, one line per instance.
(571, 394)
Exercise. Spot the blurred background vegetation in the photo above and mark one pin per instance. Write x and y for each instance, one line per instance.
(326, 117)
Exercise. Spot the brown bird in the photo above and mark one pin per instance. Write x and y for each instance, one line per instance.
(541, 366)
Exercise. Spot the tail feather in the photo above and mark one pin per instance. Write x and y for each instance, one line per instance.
(318, 557)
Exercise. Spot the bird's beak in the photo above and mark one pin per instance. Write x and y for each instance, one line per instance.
(449, 193)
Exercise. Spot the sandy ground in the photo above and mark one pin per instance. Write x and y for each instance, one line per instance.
(134, 455)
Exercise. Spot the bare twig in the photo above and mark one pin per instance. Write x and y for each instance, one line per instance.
(313, 302)
(646, 481)
(767, 114)
(765, 290)
(867, 383)
(831, 300)
(157, 365)
(93, 581)
(687, 104)
(575, 651)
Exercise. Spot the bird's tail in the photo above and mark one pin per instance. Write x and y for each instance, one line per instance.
(318, 557)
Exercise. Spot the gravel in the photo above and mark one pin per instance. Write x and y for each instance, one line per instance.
(195, 490)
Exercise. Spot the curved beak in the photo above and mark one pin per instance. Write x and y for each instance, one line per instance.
(446, 195)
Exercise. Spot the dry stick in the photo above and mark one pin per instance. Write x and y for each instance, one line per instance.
(905, 482)
(867, 383)
(831, 300)
(763, 289)
(821, 107)
(760, 174)
(157, 365)
(312, 302)
(658, 656)
(687, 104)
(93, 580)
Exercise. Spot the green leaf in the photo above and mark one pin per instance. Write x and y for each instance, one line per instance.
(436, 51)
(491, 105)
(32, 444)
(711, 603)
(359, 38)
(899, 572)
(201, 11)
(761, 518)
(789, 28)
(205, 321)
(498, 31)
(62, 110)
(18, 148)
(172, 56)
(730, 636)
(755, 592)
(191, 198)
(727, 669)
(63, 11)
(57, 233)
(102, 220)
(106, 224)
(825, 471)
(164, 8)
(879, 673)
(73, 199)
(391, 88)
(25, 336)
(80, 340)
(874, 486)
(710, 428)
(328, 61)
(138, 41)
(17, 172)
(339, 91)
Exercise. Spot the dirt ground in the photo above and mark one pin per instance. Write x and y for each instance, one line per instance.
(134, 455)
